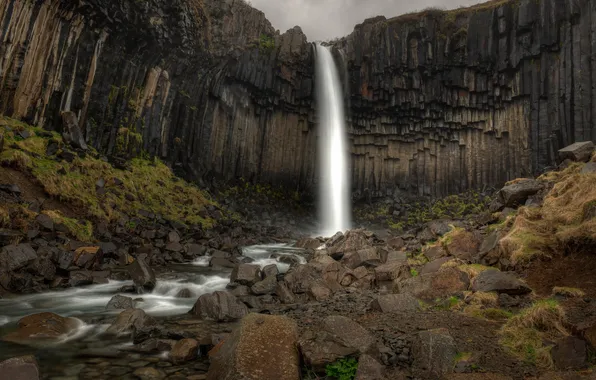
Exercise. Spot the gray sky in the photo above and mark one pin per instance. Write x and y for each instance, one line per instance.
(326, 19)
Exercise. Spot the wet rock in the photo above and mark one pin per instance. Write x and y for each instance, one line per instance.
(431, 286)
(42, 327)
(120, 302)
(88, 257)
(270, 270)
(395, 303)
(149, 373)
(369, 369)
(368, 257)
(263, 347)
(493, 280)
(578, 152)
(335, 338)
(185, 293)
(80, 278)
(142, 275)
(570, 353)
(20, 368)
(194, 250)
(267, 286)
(14, 257)
(434, 354)
(285, 295)
(128, 320)
(219, 306)
(184, 350)
(246, 274)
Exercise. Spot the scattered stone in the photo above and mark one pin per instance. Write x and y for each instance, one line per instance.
(570, 353)
(267, 286)
(128, 320)
(119, 302)
(108, 248)
(219, 306)
(14, 257)
(263, 347)
(174, 247)
(392, 271)
(369, 369)
(435, 252)
(184, 350)
(434, 354)
(395, 303)
(493, 280)
(42, 326)
(20, 368)
(396, 243)
(319, 291)
(579, 151)
(44, 267)
(337, 337)
(142, 275)
(153, 345)
(246, 274)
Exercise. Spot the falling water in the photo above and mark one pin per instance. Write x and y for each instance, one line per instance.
(335, 187)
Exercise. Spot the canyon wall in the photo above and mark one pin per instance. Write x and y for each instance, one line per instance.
(438, 102)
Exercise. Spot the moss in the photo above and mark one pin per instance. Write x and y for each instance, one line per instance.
(81, 230)
(463, 357)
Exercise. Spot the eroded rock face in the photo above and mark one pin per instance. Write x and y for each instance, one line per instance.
(262, 347)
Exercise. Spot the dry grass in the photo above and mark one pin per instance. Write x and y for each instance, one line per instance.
(484, 299)
(474, 270)
(489, 313)
(4, 216)
(568, 292)
(525, 333)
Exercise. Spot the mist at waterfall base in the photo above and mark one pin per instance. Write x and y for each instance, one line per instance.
(334, 204)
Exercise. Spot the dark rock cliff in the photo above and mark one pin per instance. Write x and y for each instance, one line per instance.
(440, 102)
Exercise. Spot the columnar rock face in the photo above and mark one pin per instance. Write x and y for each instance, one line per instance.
(439, 102)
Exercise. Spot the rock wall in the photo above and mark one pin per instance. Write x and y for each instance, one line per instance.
(446, 101)
(439, 102)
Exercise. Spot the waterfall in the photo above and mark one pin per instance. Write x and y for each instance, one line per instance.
(334, 204)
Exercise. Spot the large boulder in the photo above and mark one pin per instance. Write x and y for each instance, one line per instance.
(301, 278)
(263, 347)
(434, 354)
(21, 368)
(393, 270)
(42, 327)
(579, 152)
(219, 306)
(88, 257)
(335, 338)
(516, 193)
(14, 257)
(142, 275)
(267, 286)
(431, 286)
(368, 257)
(246, 274)
(184, 350)
(129, 320)
(119, 302)
(493, 280)
(352, 241)
(395, 303)
(463, 244)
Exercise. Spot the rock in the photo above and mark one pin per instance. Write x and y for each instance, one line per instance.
(184, 350)
(368, 257)
(434, 252)
(149, 373)
(174, 247)
(300, 278)
(589, 168)
(45, 222)
(219, 306)
(246, 274)
(336, 337)
(267, 286)
(153, 345)
(579, 151)
(11, 189)
(185, 293)
(434, 266)
(270, 270)
(369, 369)
(80, 278)
(20, 368)
(395, 303)
(14, 257)
(392, 271)
(434, 354)
(222, 262)
(42, 327)
(128, 320)
(194, 250)
(396, 243)
(285, 295)
(142, 275)
(570, 353)
(309, 243)
(463, 244)
(517, 193)
(120, 302)
(45, 268)
(72, 133)
(263, 347)
(173, 237)
(88, 257)
(354, 240)
(108, 248)
(319, 291)
(494, 280)
(431, 286)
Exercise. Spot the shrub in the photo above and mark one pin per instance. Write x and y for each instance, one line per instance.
(343, 369)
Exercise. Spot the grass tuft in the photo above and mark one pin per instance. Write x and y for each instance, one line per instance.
(81, 230)
(568, 292)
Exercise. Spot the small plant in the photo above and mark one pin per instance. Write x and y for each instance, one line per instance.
(343, 369)
(266, 42)
(414, 272)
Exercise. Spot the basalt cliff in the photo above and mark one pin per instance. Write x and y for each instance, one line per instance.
(438, 101)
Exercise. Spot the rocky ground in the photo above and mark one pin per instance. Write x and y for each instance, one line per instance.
(501, 291)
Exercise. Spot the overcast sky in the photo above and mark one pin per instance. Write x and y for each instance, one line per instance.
(326, 19)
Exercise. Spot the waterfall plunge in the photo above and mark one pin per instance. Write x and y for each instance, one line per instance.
(334, 184)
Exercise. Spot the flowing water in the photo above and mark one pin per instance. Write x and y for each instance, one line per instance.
(333, 148)
(88, 304)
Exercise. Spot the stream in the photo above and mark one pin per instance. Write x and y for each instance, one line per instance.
(88, 304)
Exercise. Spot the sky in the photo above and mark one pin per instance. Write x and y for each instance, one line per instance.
(327, 19)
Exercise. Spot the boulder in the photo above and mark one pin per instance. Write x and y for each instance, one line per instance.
(335, 338)
(300, 278)
(396, 243)
(263, 347)
(129, 320)
(368, 257)
(434, 266)
(353, 241)
(20, 368)
(174, 247)
(434, 354)
(570, 353)
(493, 280)
(80, 278)
(267, 286)
(153, 345)
(395, 303)
(393, 270)
(184, 293)
(516, 193)
(369, 369)
(44, 267)
(42, 327)
(142, 275)
(88, 257)
(246, 274)
(45, 222)
(72, 132)
(431, 286)
(184, 350)
(319, 291)
(149, 373)
(285, 295)
(579, 152)
(434, 252)
(14, 257)
(219, 306)
(270, 270)
(463, 244)
(119, 302)
(309, 243)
